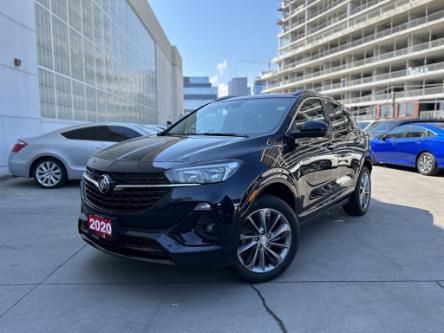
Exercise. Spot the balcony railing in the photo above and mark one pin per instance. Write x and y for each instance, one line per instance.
(398, 95)
(414, 71)
(292, 49)
(321, 25)
(324, 8)
(364, 6)
(380, 57)
(373, 37)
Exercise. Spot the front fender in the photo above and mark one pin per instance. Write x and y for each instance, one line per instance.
(270, 177)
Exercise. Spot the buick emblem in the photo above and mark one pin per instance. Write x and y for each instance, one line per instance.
(105, 184)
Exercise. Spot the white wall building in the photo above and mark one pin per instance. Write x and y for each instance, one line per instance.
(69, 61)
(370, 54)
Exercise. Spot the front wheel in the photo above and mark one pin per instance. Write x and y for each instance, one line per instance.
(268, 240)
(360, 198)
(426, 164)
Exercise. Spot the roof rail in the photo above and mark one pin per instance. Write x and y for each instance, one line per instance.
(300, 91)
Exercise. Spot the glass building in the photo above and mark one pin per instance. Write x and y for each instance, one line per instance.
(84, 60)
(197, 92)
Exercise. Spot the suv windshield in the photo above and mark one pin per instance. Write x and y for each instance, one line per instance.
(236, 117)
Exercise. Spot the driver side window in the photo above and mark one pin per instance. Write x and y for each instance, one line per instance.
(397, 133)
(311, 109)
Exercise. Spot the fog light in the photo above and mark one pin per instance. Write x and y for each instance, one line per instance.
(203, 206)
(206, 227)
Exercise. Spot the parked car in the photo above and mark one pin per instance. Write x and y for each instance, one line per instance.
(419, 145)
(55, 157)
(383, 126)
(229, 184)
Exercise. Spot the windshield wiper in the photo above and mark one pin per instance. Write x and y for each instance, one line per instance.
(222, 134)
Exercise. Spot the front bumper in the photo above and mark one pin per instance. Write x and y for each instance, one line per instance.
(156, 247)
(140, 235)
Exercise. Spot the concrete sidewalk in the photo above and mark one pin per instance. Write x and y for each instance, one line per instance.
(383, 272)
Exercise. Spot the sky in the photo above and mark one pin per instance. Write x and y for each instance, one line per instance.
(221, 38)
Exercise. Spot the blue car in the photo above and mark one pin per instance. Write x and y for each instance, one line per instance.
(419, 145)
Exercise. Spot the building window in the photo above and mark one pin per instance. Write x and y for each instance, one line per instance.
(406, 109)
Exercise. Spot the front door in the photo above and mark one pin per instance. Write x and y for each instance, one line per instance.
(311, 162)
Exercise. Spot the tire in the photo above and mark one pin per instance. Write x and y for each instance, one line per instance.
(427, 165)
(360, 198)
(49, 173)
(278, 217)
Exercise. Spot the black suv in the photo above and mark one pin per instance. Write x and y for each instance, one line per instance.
(229, 184)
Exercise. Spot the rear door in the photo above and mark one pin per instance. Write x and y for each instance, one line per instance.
(348, 145)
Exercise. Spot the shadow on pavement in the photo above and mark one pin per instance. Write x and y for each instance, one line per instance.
(404, 168)
(378, 246)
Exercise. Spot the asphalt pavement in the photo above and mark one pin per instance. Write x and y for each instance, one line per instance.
(383, 272)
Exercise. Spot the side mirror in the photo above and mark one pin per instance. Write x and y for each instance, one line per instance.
(383, 137)
(311, 129)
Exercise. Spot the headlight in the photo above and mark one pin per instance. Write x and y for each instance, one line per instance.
(203, 173)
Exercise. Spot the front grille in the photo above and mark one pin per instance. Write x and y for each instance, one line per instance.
(131, 199)
(129, 178)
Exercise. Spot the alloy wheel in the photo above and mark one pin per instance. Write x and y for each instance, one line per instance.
(48, 174)
(364, 190)
(265, 240)
(425, 163)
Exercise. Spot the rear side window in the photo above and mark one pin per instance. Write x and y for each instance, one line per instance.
(311, 109)
(338, 117)
(416, 132)
(87, 133)
(115, 133)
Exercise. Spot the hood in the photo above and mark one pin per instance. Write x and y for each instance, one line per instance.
(175, 149)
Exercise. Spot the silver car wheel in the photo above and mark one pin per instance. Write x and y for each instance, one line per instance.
(48, 174)
(364, 190)
(265, 240)
(425, 163)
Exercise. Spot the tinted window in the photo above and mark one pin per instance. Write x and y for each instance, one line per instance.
(243, 117)
(416, 132)
(87, 133)
(398, 132)
(311, 109)
(338, 117)
(115, 133)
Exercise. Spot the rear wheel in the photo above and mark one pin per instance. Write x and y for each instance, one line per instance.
(360, 198)
(426, 164)
(50, 173)
(268, 241)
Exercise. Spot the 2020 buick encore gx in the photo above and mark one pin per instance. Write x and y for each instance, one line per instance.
(229, 184)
